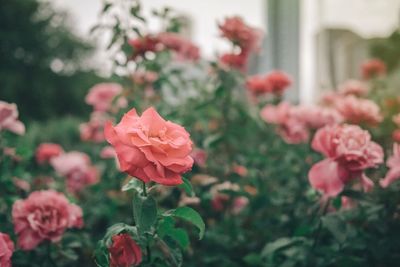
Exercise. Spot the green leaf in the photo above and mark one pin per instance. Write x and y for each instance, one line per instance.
(167, 228)
(279, 244)
(144, 212)
(336, 226)
(187, 187)
(134, 184)
(190, 215)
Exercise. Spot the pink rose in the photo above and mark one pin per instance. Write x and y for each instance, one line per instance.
(258, 85)
(373, 68)
(246, 37)
(396, 135)
(239, 204)
(44, 215)
(199, 156)
(183, 48)
(150, 148)
(124, 251)
(47, 151)
(356, 110)
(9, 118)
(349, 151)
(278, 81)
(77, 168)
(101, 95)
(316, 117)
(353, 87)
(393, 164)
(108, 152)
(236, 61)
(6, 250)
(94, 129)
(142, 45)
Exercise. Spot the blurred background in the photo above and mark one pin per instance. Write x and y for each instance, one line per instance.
(49, 58)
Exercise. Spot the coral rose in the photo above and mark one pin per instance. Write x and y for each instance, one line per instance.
(9, 118)
(47, 151)
(258, 85)
(6, 250)
(353, 87)
(101, 95)
(237, 61)
(44, 215)
(150, 148)
(76, 167)
(349, 151)
(124, 251)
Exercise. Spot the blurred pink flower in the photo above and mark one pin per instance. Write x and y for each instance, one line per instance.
(151, 148)
(93, 130)
(356, 110)
(240, 170)
(258, 85)
(108, 152)
(316, 117)
(6, 250)
(144, 77)
(183, 48)
(239, 203)
(46, 151)
(349, 151)
(396, 135)
(77, 169)
(21, 184)
(373, 68)
(246, 37)
(102, 95)
(278, 81)
(393, 164)
(9, 118)
(353, 87)
(142, 45)
(236, 61)
(44, 215)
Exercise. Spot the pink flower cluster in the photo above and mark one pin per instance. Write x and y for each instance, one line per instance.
(295, 122)
(358, 111)
(101, 96)
(275, 82)
(9, 118)
(44, 215)
(93, 130)
(6, 250)
(77, 168)
(373, 68)
(220, 201)
(150, 148)
(183, 48)
(46, 151)
(349, 150)
(246, 38)
(353, 87)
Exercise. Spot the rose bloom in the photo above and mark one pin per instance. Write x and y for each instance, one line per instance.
(21, 184)
(151, 148)
(240, 170)
(46, 151)
(102, 95)
(349, 151)
(142, 45)
(93, 130)
(6, 250)
(246, 37)
(393, 164)
(353, 87)
(278, 81)
(184, 49)
(44, 215)
(108, 152)
(77, 168)
(373, 68)
(356, 110)
(220, 200)
(330, 98)
(258, 85)
(316, 117)
(396, 135)
(124, 252)
(9, 118)
(236, 61)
